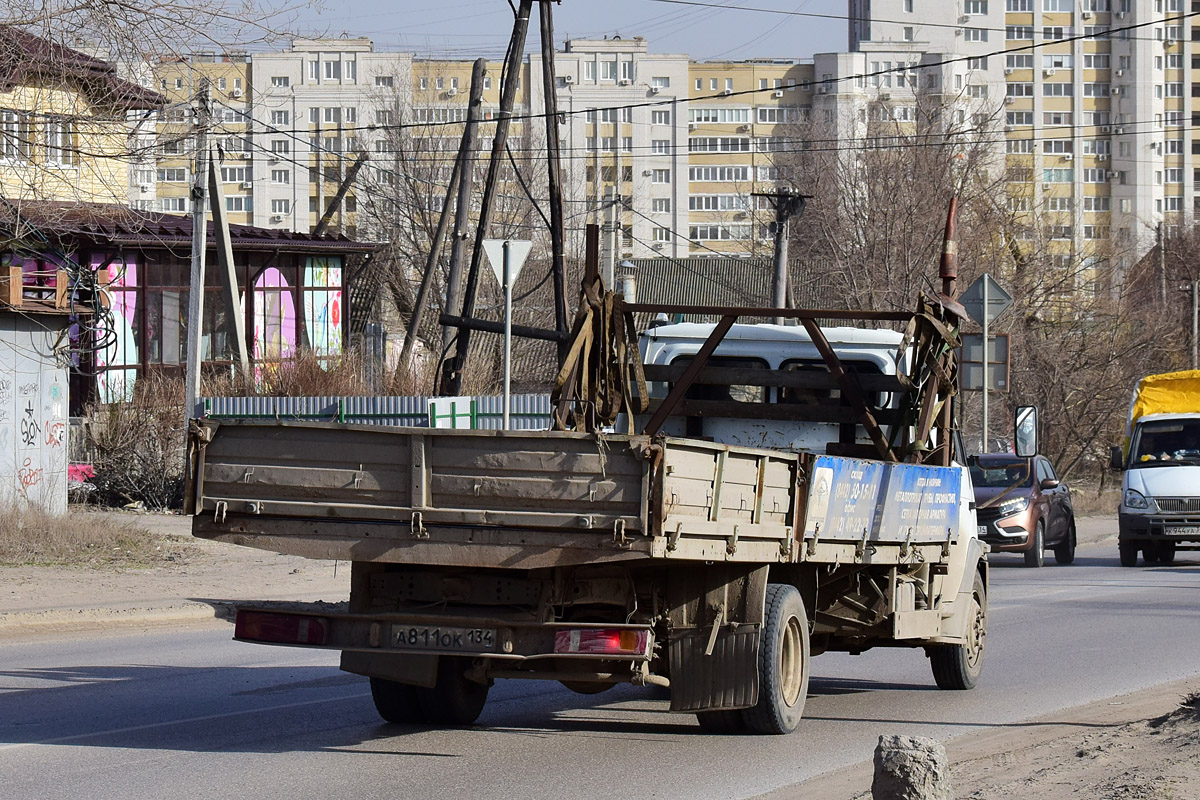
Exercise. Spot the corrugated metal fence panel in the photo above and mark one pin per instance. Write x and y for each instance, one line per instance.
(529, 412)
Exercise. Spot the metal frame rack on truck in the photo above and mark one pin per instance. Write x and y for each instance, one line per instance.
(670, 553)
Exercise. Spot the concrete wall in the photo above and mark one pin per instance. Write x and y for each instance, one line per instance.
(33, 412)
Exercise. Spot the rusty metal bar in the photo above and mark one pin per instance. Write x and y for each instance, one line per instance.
(685, 381)
(850, 389)
(787, 313)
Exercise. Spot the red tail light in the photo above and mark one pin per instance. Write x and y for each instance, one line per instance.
(262, 626)
(602, 641)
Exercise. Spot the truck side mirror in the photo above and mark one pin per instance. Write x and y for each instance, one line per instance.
(1025, 431)
(1116, 459)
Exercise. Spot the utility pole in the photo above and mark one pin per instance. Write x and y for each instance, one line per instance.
(612, 226)
(462, 214)
(554, 172)
(336, 202)
(787, 205)
(1162, 265)
(199, 242)
(452, 382)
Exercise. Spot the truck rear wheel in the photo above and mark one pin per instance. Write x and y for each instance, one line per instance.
(783, 663)
(722, 722)
(395, 701)
(957, 666)
(454, 699)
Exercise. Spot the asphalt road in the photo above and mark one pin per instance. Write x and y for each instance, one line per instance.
(195, 715)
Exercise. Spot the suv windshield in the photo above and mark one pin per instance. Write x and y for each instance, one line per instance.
(1166, 441)
(999, 472)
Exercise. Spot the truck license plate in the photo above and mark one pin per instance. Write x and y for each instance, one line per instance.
(434, 637)
(1191, 531)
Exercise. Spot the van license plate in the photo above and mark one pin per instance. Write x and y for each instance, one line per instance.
(436, 637)
(1191, 531)
(983, 530)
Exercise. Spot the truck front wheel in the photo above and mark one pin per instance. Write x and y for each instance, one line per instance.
(957, 666)
(1129, 553)
(783, 663)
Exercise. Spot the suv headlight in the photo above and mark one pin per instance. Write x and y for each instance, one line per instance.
(1135, 499)
(1013, 506)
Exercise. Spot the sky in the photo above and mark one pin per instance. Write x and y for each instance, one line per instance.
(474, 28)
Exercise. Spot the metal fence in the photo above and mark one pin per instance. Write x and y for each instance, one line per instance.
(529, 412)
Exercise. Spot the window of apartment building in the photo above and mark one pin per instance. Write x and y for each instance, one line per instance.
(627, 144)
(1018, 118)
(1095, 147)
(1059, 204)
(1058, 61)
(977, 63)
(1096, 31)
(722, 116)
(975, 34)
(1097, 203)
(1174, 147)
(729, 84)
(719, 144)
(1095, 232)
(1058, 146)
(279, 206)
(1058, 118)
(660, 117)
(772, 115)
(236, 174)
(1174, 32)
(332, 115)
(333, 70)
(1058, 5)
(280, 146)
(1173, 203)
(281, 176)
(1019, 61)
(423, 84)
(280, 80)
(977, 90)
(908, 33)
(60, 148)
(1175, 61)
(1173, 118)
(221, 84)
(145, 176)
(384, 116)
(718, 233)
(173, 175)
(660, 205)
(1018, 6)
(660, 176)
(239, 203)
(718, 202)
(1017, 146)
(608, 70)
(1018, 204)
(975, 7)
(699, 84)
(1054, 33)
(1058, 231)
(661, 234)
(1094, 5)
(1095, 118)
(1060, 89)
(908, 6)
(280, 117)
(350, 114)
(1097, 90)
(661, 82)
(163, 84)
(1018, 32)
(1058, 175)
(1019, 90)
(626, 115)
(314, 70)
(172, 204)
(385, 80)
(713, 83)
(589, 70)
(718, 174)
(1173, 175)
(179, 83)
(1096, 61)
(1173, 89)
(660, 147)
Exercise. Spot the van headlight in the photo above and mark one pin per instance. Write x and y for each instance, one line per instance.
(1135, 499)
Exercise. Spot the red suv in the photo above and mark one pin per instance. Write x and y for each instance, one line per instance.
(1023, 507)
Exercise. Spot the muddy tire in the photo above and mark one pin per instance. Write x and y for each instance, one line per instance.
(454, 700)
(396, 702)
(1064, 553)
(721, 722)
(1129, 553)
(783, 664)
(1035, 556)
(957, 666)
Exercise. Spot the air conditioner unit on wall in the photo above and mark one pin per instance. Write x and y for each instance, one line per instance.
(247, 184)
(777, 93)
(655, 90)
(1009, 70)
(727, 91)
(451, 92)
(235, 93)
(624, 82)
(1102, 156)
(277, 218)
(568, 79)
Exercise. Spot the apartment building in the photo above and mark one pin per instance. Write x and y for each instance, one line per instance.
(164, 183)
(1097, 108)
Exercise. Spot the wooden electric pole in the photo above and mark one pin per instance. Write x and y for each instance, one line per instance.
(195, 327)
(554, 171)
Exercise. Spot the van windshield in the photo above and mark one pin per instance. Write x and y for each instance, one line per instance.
(1166, 442)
